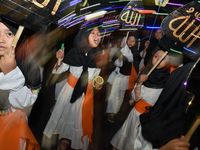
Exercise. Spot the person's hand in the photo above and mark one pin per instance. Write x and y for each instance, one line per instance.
(8, 63)
(176, 144)
(60, 54)
(98, 86)
(146, 44)
(123, 45)
(120, 58)
(98, 82)
(142, 78)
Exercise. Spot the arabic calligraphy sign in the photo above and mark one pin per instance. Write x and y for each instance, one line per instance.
(33, 14)
(130, 17)
(183, 27)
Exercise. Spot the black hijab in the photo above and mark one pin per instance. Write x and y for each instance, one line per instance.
(77, 55)
(166, 119)
(22, 54)
(81, 55)
(136, 53)
(158, 77)
(13, 27)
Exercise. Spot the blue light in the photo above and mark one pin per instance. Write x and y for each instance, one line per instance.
(110, 29)
(189, 50)
(143, 38)
(151, 27)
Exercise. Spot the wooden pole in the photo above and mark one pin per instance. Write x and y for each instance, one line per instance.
(16, 38)
(157, 63)
(192, 129)
(126, 36)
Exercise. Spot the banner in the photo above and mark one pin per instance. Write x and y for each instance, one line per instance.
(33, 14)
(130, 17)
(181, 30)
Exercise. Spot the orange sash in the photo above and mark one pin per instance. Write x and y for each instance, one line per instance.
(172, 69)
(72, 80)
(142, 68)
(14, 128)
(87, 112)
(141, 105)
(132, 79)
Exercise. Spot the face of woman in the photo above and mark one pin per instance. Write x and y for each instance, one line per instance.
(94, 38)
(131, 41)
(6, 38)
(157, 57)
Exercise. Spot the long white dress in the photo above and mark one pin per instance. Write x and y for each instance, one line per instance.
(14, 99)
(119, 83)
(66, 118)
(125, 137)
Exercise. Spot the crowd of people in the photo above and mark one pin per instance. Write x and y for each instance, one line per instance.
(157, 117)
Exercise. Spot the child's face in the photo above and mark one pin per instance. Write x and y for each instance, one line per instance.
(131, 41)
(94, 38)
(158, 34)
(6, 38)
(157, 56)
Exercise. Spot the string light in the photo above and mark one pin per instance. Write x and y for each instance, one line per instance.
(189, 50)
(74, 2)
(164, 14)
(106, 32)
(66, 19)
(90, 6)
(106, 8)
(104, 35)
(94, 27)
(143, 38)
(150, 27)
(95, 15)
(134, 25)
(175, 51)
(197, 18)
(115, 1)
(146, 11)
(175, 4)
(110, 29)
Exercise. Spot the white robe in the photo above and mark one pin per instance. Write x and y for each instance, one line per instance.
(125, 138)
(119, 83)
(66, 118)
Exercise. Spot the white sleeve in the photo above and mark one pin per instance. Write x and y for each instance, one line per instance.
(14, 80)
(142, 92)
(118, 64)
(127, 53)
(20, 96)
(150, 95)
(64, 67)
